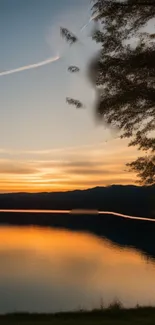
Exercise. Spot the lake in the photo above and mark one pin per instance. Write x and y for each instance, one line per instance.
(47, 270)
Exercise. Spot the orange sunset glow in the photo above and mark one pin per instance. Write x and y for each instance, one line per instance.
(77, 192)
(69, 169)
(45, 144)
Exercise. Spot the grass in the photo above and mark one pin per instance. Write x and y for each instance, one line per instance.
(114, 314)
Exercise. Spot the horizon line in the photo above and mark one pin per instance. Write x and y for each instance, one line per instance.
(76, 190)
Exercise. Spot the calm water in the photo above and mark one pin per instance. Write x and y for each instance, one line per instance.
(48, 270)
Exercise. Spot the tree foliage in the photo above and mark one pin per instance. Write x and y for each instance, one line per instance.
(145, 168)
(124, 73)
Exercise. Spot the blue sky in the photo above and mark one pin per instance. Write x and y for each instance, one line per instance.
(35, 118)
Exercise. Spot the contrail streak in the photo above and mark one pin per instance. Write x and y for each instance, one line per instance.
(89, 21)
(31, 66)
(45, 62)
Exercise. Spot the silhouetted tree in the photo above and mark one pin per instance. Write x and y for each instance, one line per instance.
(124, 74)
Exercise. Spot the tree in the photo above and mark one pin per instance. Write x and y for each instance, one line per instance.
(124, 73)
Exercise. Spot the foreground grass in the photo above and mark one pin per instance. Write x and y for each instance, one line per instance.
(110, 316)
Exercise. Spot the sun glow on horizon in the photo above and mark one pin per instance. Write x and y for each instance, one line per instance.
(70, 169)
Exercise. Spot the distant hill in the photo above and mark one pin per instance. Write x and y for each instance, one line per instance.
(129, 199)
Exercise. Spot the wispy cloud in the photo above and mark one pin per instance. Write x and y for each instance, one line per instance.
(73, 172)
(49, 151)
(67, 168)
(8, 167)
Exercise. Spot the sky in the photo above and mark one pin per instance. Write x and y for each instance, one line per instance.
(45, 144)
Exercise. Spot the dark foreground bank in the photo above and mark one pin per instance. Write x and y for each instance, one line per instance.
(141, 315)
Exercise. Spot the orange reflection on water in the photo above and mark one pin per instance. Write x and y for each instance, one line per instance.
(83, 265)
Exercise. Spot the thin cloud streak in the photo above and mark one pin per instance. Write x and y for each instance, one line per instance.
(55, 150)
(90, 20)
(76, 169)
(31, 66)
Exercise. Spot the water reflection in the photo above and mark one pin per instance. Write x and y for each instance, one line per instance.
(52, 270)
(122, 231)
